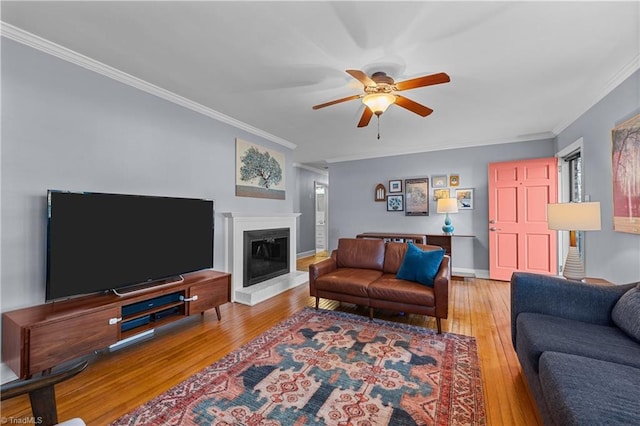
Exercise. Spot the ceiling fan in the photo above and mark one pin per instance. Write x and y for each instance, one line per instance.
(380, 91)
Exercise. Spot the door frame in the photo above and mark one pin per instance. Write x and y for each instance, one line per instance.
(317, 184)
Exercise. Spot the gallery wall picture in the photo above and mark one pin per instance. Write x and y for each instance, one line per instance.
(465, 198)
(625, 152)
(259, 171)
(394, 203)
(439, 181)
(395, 186)
(441, 193)
(416, 193)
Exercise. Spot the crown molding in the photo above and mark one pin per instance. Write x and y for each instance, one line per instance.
(28, 39)
(451, 146)
(615, 81)
(311, 169)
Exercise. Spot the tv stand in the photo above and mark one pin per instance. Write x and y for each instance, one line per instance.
(38, 338)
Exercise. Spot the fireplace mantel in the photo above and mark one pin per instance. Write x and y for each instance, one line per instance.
(235, 225)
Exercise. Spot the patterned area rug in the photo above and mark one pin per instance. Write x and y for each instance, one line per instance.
(331, 368)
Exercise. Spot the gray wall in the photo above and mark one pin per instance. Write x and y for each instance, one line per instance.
(64, 127)
(304, 203)
(609, 254)
(353, 209)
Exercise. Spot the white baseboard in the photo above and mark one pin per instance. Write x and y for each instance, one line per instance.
(6, 375)
(469, 272)
(306, 254)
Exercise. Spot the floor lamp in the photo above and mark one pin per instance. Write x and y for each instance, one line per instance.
(574, 217)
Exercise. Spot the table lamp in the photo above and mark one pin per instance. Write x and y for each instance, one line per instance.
(573, 217)
(446, 206)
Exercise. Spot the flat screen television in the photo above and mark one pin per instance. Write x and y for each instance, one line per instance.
(98, 242)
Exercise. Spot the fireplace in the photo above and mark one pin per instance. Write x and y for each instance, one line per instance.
(236, 224)
(266, 255)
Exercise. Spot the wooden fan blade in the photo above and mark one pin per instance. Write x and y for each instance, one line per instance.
(337, 101)
(413, 106)
(427, 80)
(362, 77)
(366, 117)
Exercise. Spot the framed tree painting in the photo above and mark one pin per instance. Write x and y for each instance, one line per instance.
(625, 152)
(416, 192)
(259, 171)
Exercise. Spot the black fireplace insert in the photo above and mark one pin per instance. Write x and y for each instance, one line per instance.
(266, 255)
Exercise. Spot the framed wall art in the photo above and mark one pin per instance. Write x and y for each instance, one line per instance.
(259, 171)
(416, 193)
(465, 198)
(395, 203)
(395, 186)
(380, 193)
(454, 180)
(441, 193)
(625, 151)
(439, 181)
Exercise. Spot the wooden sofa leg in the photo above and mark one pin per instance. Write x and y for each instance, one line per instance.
(439, 324)
(317, 302)
(371, 314)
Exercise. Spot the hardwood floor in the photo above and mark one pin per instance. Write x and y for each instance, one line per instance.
(118, 382)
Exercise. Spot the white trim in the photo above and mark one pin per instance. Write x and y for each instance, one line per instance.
(615, 81)
(305, 254)
(311, 169)
(61, 52)
(471, 273)
(563, 196)
(452, 145)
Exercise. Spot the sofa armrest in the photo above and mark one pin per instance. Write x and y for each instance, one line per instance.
(318, 269)
(551, 295)
(441, 288)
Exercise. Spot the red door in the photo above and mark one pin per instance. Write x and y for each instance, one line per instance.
(519, 239)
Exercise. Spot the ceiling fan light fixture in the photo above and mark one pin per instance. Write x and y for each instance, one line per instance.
(378, 102)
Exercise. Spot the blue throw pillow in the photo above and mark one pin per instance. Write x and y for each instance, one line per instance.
(420, 265)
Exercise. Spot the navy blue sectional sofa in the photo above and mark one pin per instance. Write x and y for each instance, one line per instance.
(579, 348)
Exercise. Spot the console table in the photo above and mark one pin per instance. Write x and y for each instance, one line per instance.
(394, 237)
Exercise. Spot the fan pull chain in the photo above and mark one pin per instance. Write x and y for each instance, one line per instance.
(378, 126)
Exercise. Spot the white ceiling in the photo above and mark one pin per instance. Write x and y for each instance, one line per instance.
(519, 70)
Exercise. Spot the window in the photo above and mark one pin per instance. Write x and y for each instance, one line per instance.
(574, 163)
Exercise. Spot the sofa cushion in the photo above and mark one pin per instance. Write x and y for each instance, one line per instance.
(582, 391)
(353, 281)
(360, 253)
(390, 288)
(538, 333)
(626, 313)
(420, 265)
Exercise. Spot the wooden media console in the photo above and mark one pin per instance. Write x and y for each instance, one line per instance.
(38, 338)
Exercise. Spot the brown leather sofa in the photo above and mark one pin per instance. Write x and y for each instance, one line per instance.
(363, 272)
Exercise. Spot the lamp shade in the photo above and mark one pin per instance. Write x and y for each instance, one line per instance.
(574, 216)
(447, 205)
(378, 102)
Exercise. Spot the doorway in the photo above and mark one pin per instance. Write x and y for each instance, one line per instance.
(519, 238)
(322, 217)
